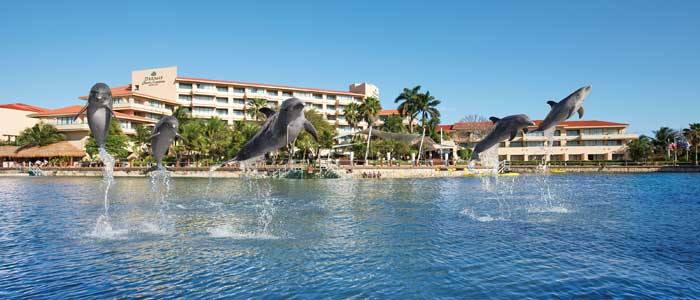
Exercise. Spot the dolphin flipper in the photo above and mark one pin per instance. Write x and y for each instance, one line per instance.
(580, 112)
(513, 135)
(552, 103)
(82, 110)
(311, 129)
(177, 135)
(154, 135)
(111, 111)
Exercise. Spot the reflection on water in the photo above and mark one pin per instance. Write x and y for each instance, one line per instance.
(603, 236)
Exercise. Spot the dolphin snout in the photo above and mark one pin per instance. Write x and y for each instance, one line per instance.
(587, 88)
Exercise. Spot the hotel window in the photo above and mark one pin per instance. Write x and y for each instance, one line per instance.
(502, 144)
(516, 144)
(556, 143)
(331, 117)
(535, 143)
(575, 157)
(330, 107)
(330, 97)
(204, 86)
(272, 93)
(317, 106)
(614, 143)
(203, 110)
(186, 98)
(357, 99)
(572, 133)
(302, 94)
(345, 128)
(154, 103)
(573, 143)
(594, 143)
(341, 117)
(203, 98)
(124, 125)
(222, 89)
(344, 98)
(535, 133)
(65, 121)
(238, 113)
(318, 96)
(238, 90)
(118, 101)
(593, 131)
(341, 107)
(254, 90)
(185, 86)
(153, 116)
(222, 112)
(169, 107)
(517, 157)
(287, 93)
(239, 101)
(222, 100)
(557, 133)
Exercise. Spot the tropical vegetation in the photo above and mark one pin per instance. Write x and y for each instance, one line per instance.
(41, 134)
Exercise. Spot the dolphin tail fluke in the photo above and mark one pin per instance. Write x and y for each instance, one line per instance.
(223, 164)
(153, 168)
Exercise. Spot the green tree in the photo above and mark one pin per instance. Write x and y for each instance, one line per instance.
(369, 109)
(407, 105)
(640, 149)
(692, 134)
(662, 138)
(182, 114)
(41, 134)
(254, 106)
(324, 129)
(140, 141)
(207, 138)
(426, 108)
(352, 114)
(394, 123)
(242, 133)
(116, 143)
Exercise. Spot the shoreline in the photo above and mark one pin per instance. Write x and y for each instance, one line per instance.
(365, 172)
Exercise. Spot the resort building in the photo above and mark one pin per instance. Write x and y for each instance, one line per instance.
(77, 131)
(573, 141)
(15, 118)
(154, 93)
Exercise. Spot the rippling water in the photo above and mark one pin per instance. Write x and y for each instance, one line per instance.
(595, 236)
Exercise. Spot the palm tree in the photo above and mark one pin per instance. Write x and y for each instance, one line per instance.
(692, 134)
(254, 106)
(664, 137)
(407, 108)
(640, 149)
(369, 109)
(426, 108)
(41, 134)
(352, 115)
(182, 114)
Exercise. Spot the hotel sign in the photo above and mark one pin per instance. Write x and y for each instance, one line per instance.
(153, 79)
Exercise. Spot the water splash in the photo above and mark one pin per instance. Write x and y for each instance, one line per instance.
(103, 227)
(160, 186)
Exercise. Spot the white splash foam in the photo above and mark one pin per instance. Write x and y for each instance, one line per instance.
(103, 230)
(228, 231)
(486, 218)
(551, 209)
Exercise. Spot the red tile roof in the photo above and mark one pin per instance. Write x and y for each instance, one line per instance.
(192, 79)
(388, 112)
(22, 106)
(74, 109)
(444, 127)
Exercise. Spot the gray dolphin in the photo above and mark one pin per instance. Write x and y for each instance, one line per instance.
(99, 112)
(565, 108)
(280, 129)
(164, 133)
(505, 129)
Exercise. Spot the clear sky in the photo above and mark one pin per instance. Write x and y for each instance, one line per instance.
(489, 57)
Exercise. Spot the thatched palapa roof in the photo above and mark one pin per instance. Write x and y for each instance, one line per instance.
(53, 150)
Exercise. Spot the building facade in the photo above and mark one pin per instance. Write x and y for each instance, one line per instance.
(154, 93)
(572, 141)
(15, 118)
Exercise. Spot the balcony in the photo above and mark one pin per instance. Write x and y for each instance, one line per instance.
(142, 107)
(72, 127)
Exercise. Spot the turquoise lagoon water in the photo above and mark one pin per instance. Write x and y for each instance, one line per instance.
(564, 236)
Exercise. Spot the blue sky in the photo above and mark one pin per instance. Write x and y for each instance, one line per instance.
(496, 58)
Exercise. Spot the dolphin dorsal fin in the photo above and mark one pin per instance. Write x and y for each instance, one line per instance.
(552, 103)
(267, 111)
(580, 112)
(494, 119)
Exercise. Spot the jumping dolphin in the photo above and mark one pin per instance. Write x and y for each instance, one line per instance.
(99, 112)
(280, 129)
(505, 129)
(564, 109)
(164, 133)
